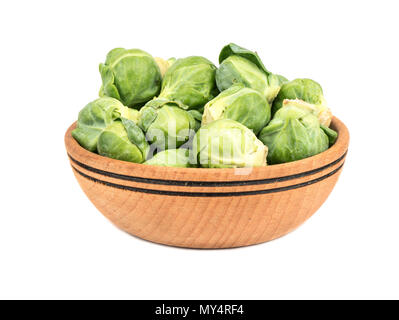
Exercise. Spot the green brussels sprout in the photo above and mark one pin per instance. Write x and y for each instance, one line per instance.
(197, 115)
(236, 69)
(108, 127)
(295, 133)
(131, 76)
(226, 143)
(123, 140)
(235, 50)
(95, 117)
(178, 158)
(239, 103)
(309, 91)
(331, 134)
(239, 65)
(190, 81)
(275, 83)
(166, 125)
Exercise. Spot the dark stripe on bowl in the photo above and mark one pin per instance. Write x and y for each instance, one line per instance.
(208, 194)
(204, 183)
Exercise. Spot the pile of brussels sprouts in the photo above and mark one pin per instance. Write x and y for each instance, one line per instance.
(189, 113)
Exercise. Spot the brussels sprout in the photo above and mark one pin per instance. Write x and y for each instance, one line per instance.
(275, 83)
(123, 140)
(95, 117)
(131, 76)
(239, 65)
(178, 158)
(236, 69)
(166, 125)
(294, 133)
(164, 64)
(227, 143)
(197, 115)
(241, 104)
(309, 91)
(234, 50)
(331, 134)
(191, 81)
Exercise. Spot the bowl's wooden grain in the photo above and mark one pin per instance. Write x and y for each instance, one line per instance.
(208, 208)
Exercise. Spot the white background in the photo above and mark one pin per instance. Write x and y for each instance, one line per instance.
(55, 244)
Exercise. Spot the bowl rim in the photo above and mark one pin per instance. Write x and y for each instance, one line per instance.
(334, 154)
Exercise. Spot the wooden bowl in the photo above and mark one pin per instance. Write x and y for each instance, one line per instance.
(208, 208)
